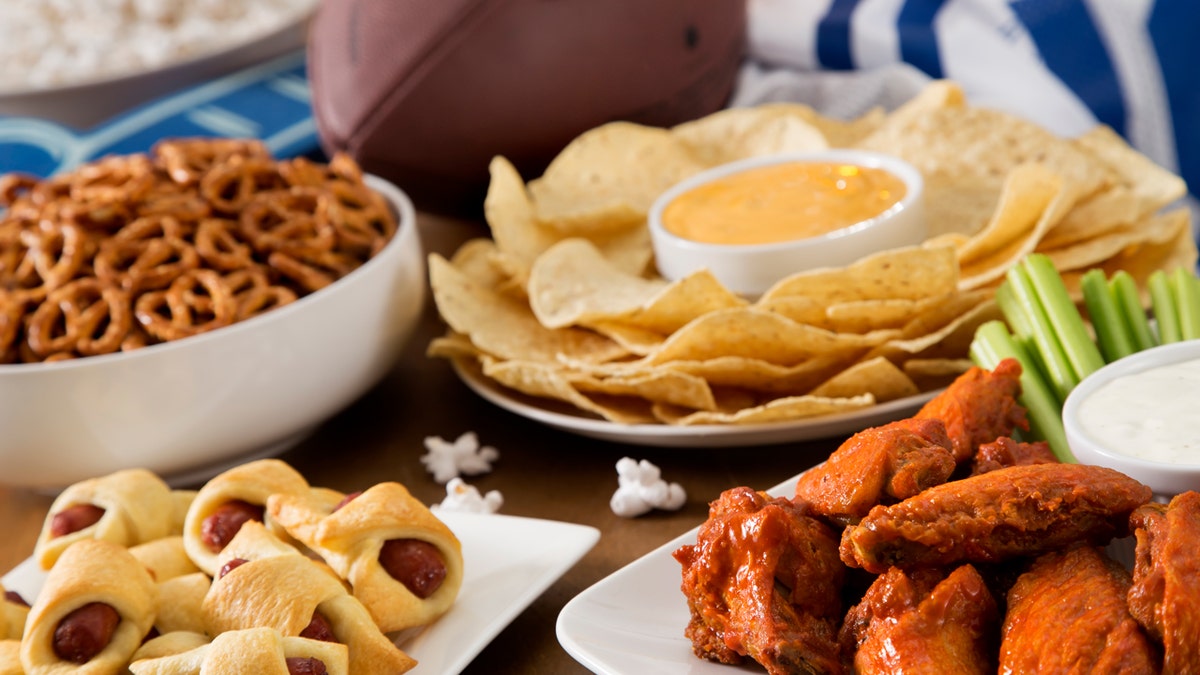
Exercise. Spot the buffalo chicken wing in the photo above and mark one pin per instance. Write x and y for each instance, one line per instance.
(763, 580)
(1067, 614)
(881, 465)
(923, 622)
(979, 407)
(1165, 596)
(996, 516)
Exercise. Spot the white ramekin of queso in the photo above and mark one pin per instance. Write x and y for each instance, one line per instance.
(755, 221)
(1138, 415)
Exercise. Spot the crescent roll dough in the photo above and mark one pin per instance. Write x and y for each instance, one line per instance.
(12, 618)
(262, 651)
(252, 483)
(138, 507)
(284, 592)
(10, 658)
(180, 604)
(164, 558)
(90, 571)
(169, 644)
(352, 538)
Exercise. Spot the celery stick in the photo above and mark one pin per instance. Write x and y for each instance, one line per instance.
(991, 345)
(1128, 298)
(1187, 302)
(1072, 334)
(1162, 300)
(1111, 331)
(1013, 311)
(1059, 373)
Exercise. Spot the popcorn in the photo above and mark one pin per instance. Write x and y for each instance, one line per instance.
(464, 456)
(465, 498)
(47, 43)
(640, 488)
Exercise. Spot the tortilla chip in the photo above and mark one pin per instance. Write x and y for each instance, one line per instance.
(452, 346)
(607, 178)
(660, 385)
(908, 273)
(738, 133)
(1099, 214)
(1090, 252)
(778, 410)
(1152, 186)
(573, 284)
(966, 152)
(877, 377)
(522, 239)
(753, 333)
(1034, 199)
(506, 328)
(548, 381)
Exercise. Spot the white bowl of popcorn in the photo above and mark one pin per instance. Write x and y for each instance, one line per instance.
(80, 63)
(201, 392)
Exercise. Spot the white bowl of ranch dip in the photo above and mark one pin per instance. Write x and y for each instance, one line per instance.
(1141, 416)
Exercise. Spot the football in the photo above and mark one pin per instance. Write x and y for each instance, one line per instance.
(426, 93)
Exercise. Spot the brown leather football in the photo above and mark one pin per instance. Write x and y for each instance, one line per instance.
(426, 92)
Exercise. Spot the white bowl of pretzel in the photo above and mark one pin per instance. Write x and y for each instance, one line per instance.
(193, 306)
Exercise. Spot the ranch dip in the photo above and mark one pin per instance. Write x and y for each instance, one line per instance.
(1149, 415)
(782, 202)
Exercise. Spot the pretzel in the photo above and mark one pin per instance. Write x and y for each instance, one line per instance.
(254, 293)
(355, 536)
(303, 172)
(173, 230)
(12, 313)
(86, 316)
(230, 186)
(177, 201)
(136, 338)
(312, 270)
(197, 301)
(156, 226)
(15, 185)
(220, 244)
(187, 160)
(95, 214)
(128, 507)
(359, 215)
(286, 221)
(114, 179)
(56, 252)
(144, 264)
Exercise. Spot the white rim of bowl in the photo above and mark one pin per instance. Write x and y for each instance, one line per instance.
(1134, 363)
(405, 218)
(914, 184)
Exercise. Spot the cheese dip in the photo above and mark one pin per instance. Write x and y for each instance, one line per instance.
(1150, 415)
(782, 202)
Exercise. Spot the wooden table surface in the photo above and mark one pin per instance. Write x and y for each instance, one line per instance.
(542, 473)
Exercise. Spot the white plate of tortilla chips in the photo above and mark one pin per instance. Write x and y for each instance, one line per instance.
(567, 418)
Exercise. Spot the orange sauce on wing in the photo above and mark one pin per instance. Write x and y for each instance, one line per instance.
(782, 202)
